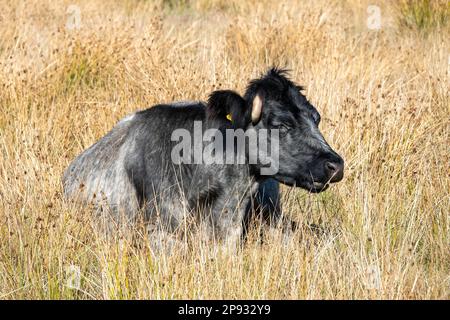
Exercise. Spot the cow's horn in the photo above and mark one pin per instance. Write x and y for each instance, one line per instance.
(256, 108)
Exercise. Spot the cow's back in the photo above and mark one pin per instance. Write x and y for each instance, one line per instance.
(109, 174)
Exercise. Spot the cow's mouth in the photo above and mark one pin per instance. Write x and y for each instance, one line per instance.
(308, 185)
(319, 187)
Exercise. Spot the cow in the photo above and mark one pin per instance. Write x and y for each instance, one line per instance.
(132, 170)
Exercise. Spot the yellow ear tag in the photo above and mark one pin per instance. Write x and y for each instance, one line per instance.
(229, 117)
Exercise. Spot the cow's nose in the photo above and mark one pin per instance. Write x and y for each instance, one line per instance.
(335, 170)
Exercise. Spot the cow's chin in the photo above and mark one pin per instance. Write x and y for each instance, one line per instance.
(311, 186)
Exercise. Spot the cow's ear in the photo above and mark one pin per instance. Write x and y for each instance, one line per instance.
(257, 106)
(228, 105)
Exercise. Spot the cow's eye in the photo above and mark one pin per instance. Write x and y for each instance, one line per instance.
(284, 129)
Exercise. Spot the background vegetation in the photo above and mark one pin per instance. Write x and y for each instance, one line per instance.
(383, 232)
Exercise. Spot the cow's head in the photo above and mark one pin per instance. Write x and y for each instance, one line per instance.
(274, 102)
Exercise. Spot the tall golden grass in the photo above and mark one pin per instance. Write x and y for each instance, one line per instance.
(382, 233)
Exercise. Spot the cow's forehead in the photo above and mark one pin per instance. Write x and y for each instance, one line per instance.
(300, 101)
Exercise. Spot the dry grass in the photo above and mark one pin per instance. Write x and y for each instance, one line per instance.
(383, 95)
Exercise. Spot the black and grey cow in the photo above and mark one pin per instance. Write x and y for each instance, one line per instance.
(132, 168)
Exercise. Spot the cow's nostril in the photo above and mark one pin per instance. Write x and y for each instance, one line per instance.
(332, 167)
(335, 171)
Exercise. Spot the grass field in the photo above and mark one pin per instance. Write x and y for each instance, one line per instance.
(380, 76)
